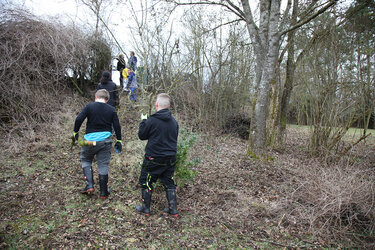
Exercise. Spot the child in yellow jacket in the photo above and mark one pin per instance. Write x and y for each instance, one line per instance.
(125, 74)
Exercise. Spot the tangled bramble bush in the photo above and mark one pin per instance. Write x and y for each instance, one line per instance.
(184, 172)
(340, 196)
(36, 58)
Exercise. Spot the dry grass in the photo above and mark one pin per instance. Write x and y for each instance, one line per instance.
(284, 200)
(339, 196)
(336, 200)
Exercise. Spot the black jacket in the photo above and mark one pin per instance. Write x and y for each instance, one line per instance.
(161, 131)
(120, 65)
(100, 117)
(111, 87)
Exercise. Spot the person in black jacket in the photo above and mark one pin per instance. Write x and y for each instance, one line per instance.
(161, 131)
(101, 117)
(107, 84)
(121, 65)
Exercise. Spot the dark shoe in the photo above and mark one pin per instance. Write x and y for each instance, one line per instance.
(172, 202)
(103, 183)
(87, 172)
(145, 207)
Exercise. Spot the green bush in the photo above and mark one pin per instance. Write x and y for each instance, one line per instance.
(184, 165)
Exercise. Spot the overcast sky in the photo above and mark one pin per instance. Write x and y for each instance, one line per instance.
(117, 16)
(70, 11)
(53, 8)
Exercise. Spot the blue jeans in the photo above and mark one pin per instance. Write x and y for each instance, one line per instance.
(133, 95)
(102, 150)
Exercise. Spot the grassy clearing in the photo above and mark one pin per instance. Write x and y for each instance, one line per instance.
(351, 135)
(351, 131)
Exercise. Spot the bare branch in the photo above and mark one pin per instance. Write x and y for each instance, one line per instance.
(231, 7)
(223, 24)
(252, 27)
(285, 16)
(308, 19)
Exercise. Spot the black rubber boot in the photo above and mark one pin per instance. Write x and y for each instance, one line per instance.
(87, 172)
(103, 183)
(146, 198)
(172, 202)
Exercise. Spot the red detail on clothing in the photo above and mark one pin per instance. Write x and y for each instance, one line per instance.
(88, 191)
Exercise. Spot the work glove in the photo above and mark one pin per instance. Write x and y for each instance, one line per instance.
(75, 136)
(143, 116)
(118, 146)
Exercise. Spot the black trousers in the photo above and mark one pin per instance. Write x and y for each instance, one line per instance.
(121, 80)
(153, 168)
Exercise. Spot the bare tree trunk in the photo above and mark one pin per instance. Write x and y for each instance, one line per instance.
(289, 79)
(262, 105)
(265, 73)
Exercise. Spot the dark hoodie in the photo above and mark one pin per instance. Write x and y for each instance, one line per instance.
(111, 87)
(161, 131)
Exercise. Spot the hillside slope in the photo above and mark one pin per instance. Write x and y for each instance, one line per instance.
(235, 201)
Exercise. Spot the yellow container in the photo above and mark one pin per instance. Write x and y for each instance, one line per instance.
(86, 143)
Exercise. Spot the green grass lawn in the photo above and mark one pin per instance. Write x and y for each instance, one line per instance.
(352, 133)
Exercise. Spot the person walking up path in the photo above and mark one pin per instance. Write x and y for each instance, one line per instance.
(161, 131)
(121, 65)
(132, 85)
(107, 84)
(101, 117)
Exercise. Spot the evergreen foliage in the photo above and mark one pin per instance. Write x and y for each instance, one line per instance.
(184, 166)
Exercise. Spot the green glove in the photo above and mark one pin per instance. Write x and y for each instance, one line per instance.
(143, 116)
(75, 136)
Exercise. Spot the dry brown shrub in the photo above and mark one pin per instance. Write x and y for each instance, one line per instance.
(36, 58)
(217, 110)
(338, 198)
(238, 124)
